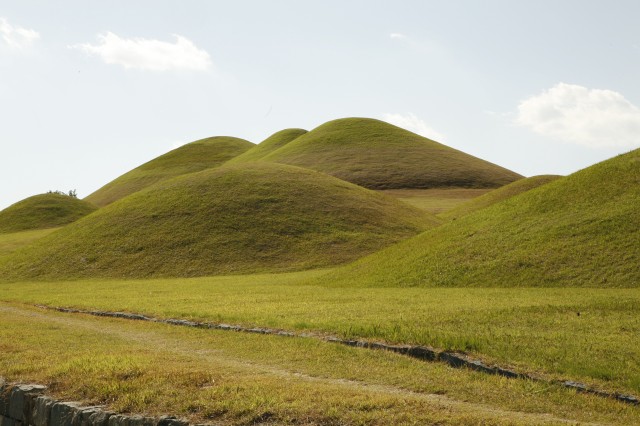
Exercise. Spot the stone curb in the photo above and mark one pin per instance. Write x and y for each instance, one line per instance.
(26, 405)
(453, 359)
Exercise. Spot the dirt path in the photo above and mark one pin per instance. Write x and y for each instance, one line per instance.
(154, 337)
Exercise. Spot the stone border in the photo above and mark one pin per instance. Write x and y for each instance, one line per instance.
(26, 405)
(425, 353)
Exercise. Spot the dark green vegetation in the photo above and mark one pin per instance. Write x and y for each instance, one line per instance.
(242, 218)
(378, 155)
(272, 143)
(43, 211)
(193, 157)
(498, 195)
(578, 231)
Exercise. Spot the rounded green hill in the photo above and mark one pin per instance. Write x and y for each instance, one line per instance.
(272, 143)
(192, 157)
(498, 195)
(258, 217)
(43, 211)
(378, 155)
(578, 231)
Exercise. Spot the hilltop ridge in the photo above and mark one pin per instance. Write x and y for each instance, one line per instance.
(378, 155)
(192, 157)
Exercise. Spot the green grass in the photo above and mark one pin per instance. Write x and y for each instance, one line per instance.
(253, 217)
(240, 379)
(43, 211)
(498, 195)
(13, 241)
(536, 330)
(577, 231)
(273, 142)
(378, 155)
(193, 157)
(438, 200)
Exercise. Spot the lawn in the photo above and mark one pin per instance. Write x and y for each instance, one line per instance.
(241, 379)
(589, 335)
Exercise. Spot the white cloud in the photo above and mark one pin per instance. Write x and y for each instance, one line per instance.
(397, 36)
(414, 124)
(146, 54)
(16, 37)
(576, 114)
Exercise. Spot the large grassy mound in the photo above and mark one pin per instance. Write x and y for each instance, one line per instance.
(498, 195)
(189, 158)
(267, 146)
(378, 155)
(43, 211)
(256, 217)
(579, 231)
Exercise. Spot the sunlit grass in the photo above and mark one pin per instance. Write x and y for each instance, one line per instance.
(586, 335)
(237, 378)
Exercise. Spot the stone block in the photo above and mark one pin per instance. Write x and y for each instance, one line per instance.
(21, 400)
(63, 413)
(5, 396)
(171, 421)
(41, 411)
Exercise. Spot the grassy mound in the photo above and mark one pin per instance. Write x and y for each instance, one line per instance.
(378, 155)
(257, 217)
(43, 211)
(267, 146)
(189, 158)
(578, 231)
(498, 195)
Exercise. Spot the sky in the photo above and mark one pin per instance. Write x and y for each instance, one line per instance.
(90, 90)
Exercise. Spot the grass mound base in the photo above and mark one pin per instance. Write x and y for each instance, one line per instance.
(578, 231)
(256, 217)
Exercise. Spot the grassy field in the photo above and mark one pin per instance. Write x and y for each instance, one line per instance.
(253, 217)
(589, 336)
(43, 211)
(540, 276)
(378, 155)
(240, 379)
(578, 231)
(436, 201)
(192, 157)
(13, 241)
(490, 198)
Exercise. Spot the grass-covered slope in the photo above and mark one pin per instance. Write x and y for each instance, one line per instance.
(579, 231)
(189, 158)
(378, 155)
(498, 195)
(235, 219)
(43, 211)
(272, 143)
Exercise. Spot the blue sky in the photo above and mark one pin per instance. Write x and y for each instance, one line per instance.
(92, 89)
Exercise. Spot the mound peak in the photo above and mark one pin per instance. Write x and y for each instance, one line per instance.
(378, 155)
(192, 157)
(254, 217)
(43, 211)
(267, 146)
